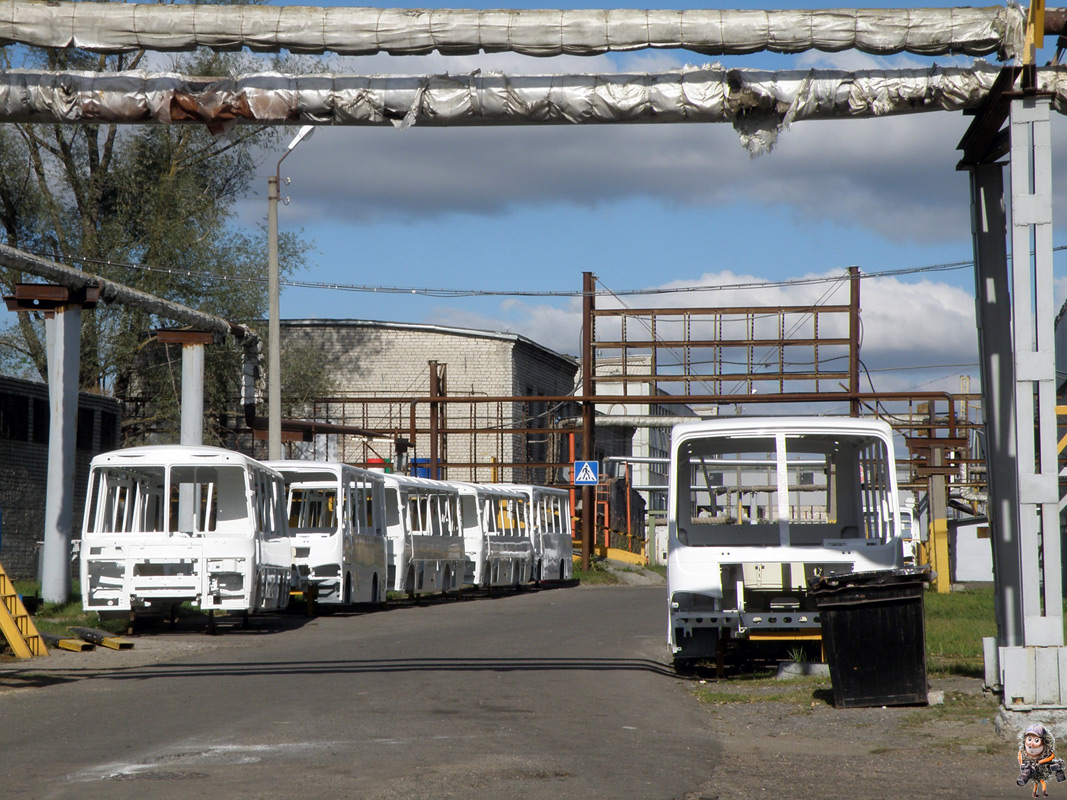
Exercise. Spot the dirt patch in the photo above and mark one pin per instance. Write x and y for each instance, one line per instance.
(788, 741)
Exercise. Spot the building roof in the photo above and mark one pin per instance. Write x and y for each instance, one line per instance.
(515, 338)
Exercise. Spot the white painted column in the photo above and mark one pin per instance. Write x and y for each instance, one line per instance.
(63, 342)
(1034, 675)
(192, 394)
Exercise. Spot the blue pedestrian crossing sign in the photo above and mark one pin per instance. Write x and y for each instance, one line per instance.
(586, 473)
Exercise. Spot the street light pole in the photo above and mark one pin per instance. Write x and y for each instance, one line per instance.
(274, 334)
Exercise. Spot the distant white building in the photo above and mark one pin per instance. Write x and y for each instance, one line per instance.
(389, 361)
(651, 438)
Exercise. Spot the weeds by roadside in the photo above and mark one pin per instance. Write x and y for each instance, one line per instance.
(59, 618)
(596, 575)
(805, 691)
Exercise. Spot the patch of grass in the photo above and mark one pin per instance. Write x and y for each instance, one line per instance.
(940, 667)
(958, 707)
(962, 721)
(807, 691)
(955, 625)
(659, 569)
(596, 575)
(59, 618)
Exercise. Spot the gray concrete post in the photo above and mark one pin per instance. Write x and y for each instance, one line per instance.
(192, 394)
(63, 343)
(989, 224)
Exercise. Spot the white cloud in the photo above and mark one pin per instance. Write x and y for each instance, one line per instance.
(894, 177)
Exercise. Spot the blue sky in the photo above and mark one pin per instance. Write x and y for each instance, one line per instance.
(529, 209)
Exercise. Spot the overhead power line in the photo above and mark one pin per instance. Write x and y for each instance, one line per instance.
(475, 292)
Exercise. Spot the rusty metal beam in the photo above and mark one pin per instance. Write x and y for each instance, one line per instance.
(588, 409)
(724, 377)
(984, 142)
(854, 338)
(731, 343)
(705, 311)
(48, 297)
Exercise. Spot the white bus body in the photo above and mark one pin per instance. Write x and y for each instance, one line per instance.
(495, 523)
(424, 538)
(336, 518)
(757, 507)
(550, 531)
(174, 524)
(910, 534)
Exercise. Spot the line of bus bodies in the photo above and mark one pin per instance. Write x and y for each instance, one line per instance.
(167, 525)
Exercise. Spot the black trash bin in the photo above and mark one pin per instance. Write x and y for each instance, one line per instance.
(873, 636)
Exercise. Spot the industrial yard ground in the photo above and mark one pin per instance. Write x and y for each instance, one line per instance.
(491, 714)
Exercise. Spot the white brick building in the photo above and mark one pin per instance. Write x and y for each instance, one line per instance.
(388, 362)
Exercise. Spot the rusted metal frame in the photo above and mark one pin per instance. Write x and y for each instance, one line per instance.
(625, 353)
(515, 431)
(706, 311)
(573, 491)
(500, 440)
(442, 425)
(718, 353)
(729, 399)
(524, 413)
(184, 336)
(304, 427)
(854, 338)
(716, 343)
(806, 397)
(434, 410)
(687, 353)
(49, 297)
(781, 350)
(949, 424)
(472, 441)
(653, 360)
(815, 345)
(1055, 21)
(986, 140)
(737, 376)
(588, 409)
(545, 465)
(750, 326)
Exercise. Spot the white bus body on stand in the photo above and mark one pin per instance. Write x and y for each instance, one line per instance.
(424, 538)
(759, 506)
(165, 525)
(337, 523)
(495, 523)
(549, 513)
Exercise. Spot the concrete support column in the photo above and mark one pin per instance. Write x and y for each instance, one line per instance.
(992, 293)
(192, 432)
(1034, 675)
(63, 317)
(193, 344)
(63, 337)
(1033, 315)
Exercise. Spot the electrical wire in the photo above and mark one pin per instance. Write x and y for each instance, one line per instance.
(472, 292)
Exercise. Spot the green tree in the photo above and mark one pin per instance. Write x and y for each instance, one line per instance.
(149, 207)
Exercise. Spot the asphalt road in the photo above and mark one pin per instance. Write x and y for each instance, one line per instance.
(556, 693)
